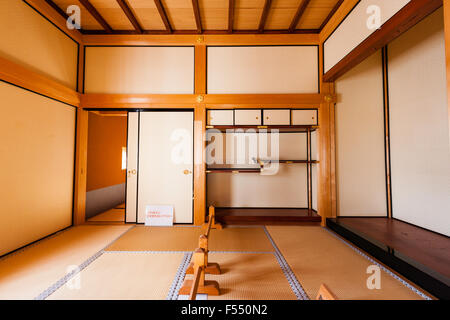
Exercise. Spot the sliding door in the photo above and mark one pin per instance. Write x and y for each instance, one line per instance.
(165, 163)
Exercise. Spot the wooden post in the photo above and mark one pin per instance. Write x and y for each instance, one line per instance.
(199, 284)
(210, 267)
(199, 135)
(79, 202)
(447, 52)
(324, 185)
(212, 220)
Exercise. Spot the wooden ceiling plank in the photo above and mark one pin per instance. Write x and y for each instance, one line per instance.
(231, 16)
(163, 15)
(130, 15)
(331, 14)
(89, 7)
(264, 15)
(298, 15)
(198, 19)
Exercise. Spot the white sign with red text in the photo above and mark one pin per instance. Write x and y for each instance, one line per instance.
(159, 216)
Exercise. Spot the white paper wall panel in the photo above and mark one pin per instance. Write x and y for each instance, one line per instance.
(420, 153)
(354, 29)
(29, 39)
(140, 70)
(36, 182)
(287, 189)
(288, 69)
(360, 154)
(288, 146)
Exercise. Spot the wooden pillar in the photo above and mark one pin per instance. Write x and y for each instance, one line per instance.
(80, 167)
(447, 52)
(79, 201)
(325, 207)
(333, 186)
(199, 136)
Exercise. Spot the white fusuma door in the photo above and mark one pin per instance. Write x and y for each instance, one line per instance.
(166, 163)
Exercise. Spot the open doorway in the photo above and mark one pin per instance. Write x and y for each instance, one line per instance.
(106, 167)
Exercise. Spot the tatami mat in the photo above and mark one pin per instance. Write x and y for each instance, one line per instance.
(316, 257)
(186, 239)
(113, 215)
(26, 274)
(240, 239)
(143, 238)
(124, 276)
(250, 277)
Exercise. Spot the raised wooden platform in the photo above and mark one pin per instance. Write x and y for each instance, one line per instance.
(420, 255)
(267, 216)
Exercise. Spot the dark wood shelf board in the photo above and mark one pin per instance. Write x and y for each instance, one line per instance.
(282, 129)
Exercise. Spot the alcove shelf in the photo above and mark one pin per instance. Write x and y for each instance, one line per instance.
(243, 193)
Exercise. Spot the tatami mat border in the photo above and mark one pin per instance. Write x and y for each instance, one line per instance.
(179, 277)
(290, 276)
(33, 244)
(389, 272)
(58, 284)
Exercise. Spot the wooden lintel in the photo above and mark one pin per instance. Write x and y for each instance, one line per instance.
(106, 101)
(20, 76)
(402, 21)
(206, 39)
(58, 17)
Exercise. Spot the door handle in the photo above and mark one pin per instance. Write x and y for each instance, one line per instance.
(186, 172)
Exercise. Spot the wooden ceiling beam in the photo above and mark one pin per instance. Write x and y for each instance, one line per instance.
(57, 9)
(162, 13)
(130, 15)
(198, 20)
(205, 32)
(331, 14)
(298, 15)
(97, 16)
(264, 15)
(231, 16)
(411, 14)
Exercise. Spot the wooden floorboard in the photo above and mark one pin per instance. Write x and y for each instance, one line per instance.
(426, 247)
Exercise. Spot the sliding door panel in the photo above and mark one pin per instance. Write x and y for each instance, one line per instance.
(166, 163)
